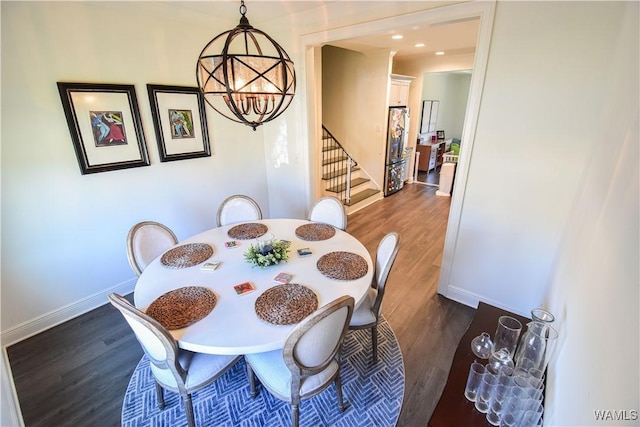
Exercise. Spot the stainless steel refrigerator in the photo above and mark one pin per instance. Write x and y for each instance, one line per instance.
(397, 138)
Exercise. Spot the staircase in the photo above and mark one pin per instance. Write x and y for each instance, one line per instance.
(342, 176)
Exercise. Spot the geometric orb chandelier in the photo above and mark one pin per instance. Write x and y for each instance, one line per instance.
(245, 75)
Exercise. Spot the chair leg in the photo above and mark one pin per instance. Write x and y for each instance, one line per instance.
(252, 381)
(160, 395)
(374, 342)
(188, 408)
(295, 415)
(341, 403)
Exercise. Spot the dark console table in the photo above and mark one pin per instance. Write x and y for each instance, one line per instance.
(453, 408)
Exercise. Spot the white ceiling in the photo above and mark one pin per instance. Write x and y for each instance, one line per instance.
(451, 38)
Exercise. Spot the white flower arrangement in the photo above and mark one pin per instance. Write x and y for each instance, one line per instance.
(271, 253)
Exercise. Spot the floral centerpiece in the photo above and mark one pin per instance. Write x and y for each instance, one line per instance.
(267, 252)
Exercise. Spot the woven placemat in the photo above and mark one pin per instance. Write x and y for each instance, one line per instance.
(342, 265)
(315, 232)
(250, 230)
(182, 307)
(186, 255)
(286, 304)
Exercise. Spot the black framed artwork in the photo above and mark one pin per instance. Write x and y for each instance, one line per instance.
(105, 127)
(180, 122)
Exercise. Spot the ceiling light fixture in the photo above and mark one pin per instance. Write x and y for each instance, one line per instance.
(251, 80)
(440, 53)
(397, 36)
(419, 45)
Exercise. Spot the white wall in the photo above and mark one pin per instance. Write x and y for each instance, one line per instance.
(594, 284)
(354, 99)
(452, 90)
(538, 123)
(63, 233)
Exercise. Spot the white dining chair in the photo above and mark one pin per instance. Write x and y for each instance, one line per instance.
(146, 241)
(173, 369)
(238, 208)
(329, 210)
(367, 315)
(309, 361)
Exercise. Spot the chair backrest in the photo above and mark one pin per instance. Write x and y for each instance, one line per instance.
(329, 210)
(385, 257)
(146, 241)
(238, 208)
(315, 342)
(156, 341)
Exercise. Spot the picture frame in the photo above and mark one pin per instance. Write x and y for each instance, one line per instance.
(440, 134)
(180, 122)
(105, 126)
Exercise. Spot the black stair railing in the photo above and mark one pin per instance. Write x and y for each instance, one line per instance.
(337, 165)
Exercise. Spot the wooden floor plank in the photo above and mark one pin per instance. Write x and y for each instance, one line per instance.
(76, 374)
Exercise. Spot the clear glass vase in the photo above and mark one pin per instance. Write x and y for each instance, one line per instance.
(542, 315)
(482, 346)
(536, 346)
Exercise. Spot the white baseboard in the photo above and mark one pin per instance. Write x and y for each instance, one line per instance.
(463, 297)
(54, 318)
(10, 409)
(471, 299)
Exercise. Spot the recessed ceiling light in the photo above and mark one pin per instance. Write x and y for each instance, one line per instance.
(440, 53)
(419, 45)
(397, 36)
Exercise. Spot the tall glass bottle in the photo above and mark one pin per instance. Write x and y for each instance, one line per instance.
(536, 346)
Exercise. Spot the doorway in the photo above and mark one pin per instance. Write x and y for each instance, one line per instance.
(451, 90)
(312, 45)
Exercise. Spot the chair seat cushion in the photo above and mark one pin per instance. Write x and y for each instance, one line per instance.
(201, 369)
(275, 375)
(364, 314)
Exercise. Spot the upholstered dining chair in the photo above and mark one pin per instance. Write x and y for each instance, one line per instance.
(368, 314)
(310, 359)
(173, 369)
(146, 241)
(238, 208)
(329, 210)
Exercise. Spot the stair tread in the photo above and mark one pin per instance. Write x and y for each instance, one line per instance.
(360, 196)
(331, 147)
(339, 172)
(335, 159)
(354, 183)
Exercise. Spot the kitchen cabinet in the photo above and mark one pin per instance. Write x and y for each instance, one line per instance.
(425, 155)
(399, 90)
(430, 155)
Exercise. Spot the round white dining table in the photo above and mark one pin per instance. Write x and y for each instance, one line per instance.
(233, 327)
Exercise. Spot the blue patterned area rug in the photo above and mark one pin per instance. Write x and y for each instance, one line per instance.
(375, 393)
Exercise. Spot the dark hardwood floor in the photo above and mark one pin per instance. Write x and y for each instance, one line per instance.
(76, 374)
(432, 177)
